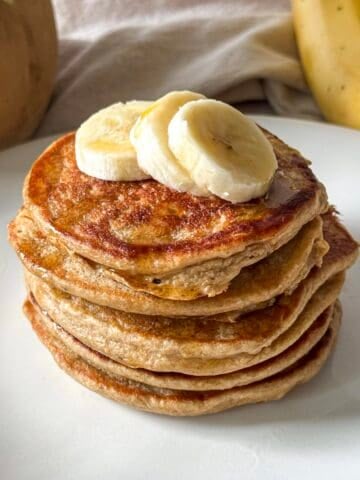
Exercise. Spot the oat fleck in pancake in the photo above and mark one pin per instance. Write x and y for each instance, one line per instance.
(147, 231)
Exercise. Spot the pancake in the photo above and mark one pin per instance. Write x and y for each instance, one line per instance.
(180, 381)
(214, 276)
(182, 402)
(253, 288)
(147, 230)
(156, 356)
(180, 337)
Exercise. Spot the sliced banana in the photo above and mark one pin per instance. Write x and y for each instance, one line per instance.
(223, 151)
(149, 137)
(102, 145)
(182, 140)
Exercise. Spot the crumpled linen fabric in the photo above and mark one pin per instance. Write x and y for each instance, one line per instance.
(118, 50)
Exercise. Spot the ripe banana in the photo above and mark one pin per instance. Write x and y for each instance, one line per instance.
(328, 37)
(149, 137)
(102, 145)
(183, 140)
(225, 152)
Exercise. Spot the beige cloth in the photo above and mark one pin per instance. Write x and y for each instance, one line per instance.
(116, 50)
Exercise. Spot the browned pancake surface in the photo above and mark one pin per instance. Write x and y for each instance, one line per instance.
(71, 273)
(146, 227)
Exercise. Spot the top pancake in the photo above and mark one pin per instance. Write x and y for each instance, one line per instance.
(146, 228)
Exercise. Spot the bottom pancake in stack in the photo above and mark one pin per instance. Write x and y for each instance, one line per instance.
(182, 402)
(193, 366)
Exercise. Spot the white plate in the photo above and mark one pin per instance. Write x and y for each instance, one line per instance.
(53, 428)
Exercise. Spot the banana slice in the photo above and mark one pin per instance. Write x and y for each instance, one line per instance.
(224, 152)
(149, 136)
(102, 145)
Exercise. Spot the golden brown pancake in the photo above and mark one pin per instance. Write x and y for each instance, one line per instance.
(180, 381)
(178, 304)
(154, 355)
(214, 276)
(253, 288)
(183, 402)
(145, 230)
(181, 337)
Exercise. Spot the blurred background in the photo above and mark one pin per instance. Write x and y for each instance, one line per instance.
(62, 60)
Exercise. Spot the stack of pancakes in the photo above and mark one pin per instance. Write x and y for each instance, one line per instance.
(179, 304)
